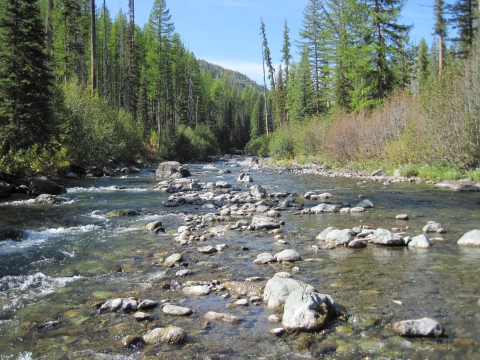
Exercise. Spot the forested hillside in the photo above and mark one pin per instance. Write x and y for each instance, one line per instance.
(81, 85)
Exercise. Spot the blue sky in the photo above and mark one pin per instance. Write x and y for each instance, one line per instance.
(226, 32)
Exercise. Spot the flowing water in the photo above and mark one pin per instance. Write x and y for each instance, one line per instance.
(71, 261)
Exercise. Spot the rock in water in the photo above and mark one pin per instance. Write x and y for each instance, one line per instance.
(470, 238)
(214, 316)
(176, 310)
(43, 185)
(168, 335)
(307, 311)
(48, 199)
(420, 241)
(172, 169)
(288, 255)
(199, 290)
(10, 233)
(385, 237)
(425, 327)
(433, 226)
(278, 288)
(338, 238)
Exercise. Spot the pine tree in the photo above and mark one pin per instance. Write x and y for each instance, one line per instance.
(25, 79)
(440, 29)
(464, 20)
(423, 60)
(303, 93)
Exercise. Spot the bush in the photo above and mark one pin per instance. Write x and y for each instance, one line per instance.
(281, 145)
(258, 146)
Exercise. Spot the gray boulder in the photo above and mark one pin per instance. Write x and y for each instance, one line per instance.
(176, 310)
(172, 260)
(425, 327)
(244, 178)
(48, 199)
(43, 185)
(263, 223)
(323, 208)
(338, 238)
(168, 335)
(288, 255)
(433, 226)
(264, 258)
(278, 288)
(470, 238)
(385, 237)
(223, 185)
(307, 311)
(172, 169)
(365, 203)
(197, 290)
(322, 236)
(258, 192)
(420, 241)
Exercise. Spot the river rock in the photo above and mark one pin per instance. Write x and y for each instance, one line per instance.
(274, 319)
(425, 327)
(278, 288)
(197, 290)
(264, 258)
(277, 331)
(241, 302)
(214, 316)
(322, 208)
(154, 225)
(182, 273)
(43, 185)
(245, 288)
(458, 185)
(211, 167)
(258, 192)
(288, 255)
(140, 316)
(48, 199)
(357, 244)
(207, 250)
(132, 341)
(385, 237)
(168, 335)
(147, 303)
(401, 217)
(433, 226)
(223, 185)
(129, 304)
(420, 241)
(307, 311)
(172, 169)
(111, 306)
(338, 238)
(260, 222)
(244, 178)
(470, 238)
(322, 236)
(172, 260)
(176, 310)
(365, 203)
(10, 233)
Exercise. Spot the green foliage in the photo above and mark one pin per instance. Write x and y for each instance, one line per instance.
(258, 146)
(281, 145)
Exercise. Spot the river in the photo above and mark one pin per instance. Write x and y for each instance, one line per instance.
(81, 253)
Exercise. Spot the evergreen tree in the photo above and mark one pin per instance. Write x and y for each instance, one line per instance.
(440, 30)
(464, 20)
(303, 93)
(25, 79)
(423, 61)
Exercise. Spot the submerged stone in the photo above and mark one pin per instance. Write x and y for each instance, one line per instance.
(169, 335)
(425, 327)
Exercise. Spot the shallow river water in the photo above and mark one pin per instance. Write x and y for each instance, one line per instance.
(71, 259)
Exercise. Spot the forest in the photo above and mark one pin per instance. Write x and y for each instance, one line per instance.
(80, 87)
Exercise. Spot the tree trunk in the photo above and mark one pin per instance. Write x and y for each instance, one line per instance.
(93, 47)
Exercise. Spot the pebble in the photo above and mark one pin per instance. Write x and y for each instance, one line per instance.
(274, 319)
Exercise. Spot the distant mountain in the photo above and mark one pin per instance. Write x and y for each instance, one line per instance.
(234, 77)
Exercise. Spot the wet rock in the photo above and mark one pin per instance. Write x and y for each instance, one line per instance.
(111, 306)
(132, 341)
(241, 302)
(245, 288)
(425, 327)
(264, 258)
(470, 238)
(402, 217)
(214, 316)
(433, 226)
(338, 238)
(154, 225)
(385, 237)
(307, 311)
(365, 203)
(223, 185)
(255, 300)
(357, 244)
(172, 260)
(288, 255)
(458, 185)
(263, 223)
(172, 169)
(129, 304)
(322, 236)
(420, 241)
(168, 335)
(322, 208)
(48, 199)
(128, 212)
(211, 167)
(274, 319)
(141, 316)
(277, 331)
(258, 192)
(207, 250)
(10, 233)
(176, 310)
(43, 185)
(357, 209)
(197, 290)
(224, 171)
(145, 304)
(244, 178)
(278, 288)
(185, 272)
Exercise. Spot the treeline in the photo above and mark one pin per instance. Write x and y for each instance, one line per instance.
(79, 86)
(364, 93)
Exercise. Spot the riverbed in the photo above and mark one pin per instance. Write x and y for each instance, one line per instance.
(82, 253)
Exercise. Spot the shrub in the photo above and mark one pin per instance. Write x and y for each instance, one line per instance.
(281, 145)
(258, 146)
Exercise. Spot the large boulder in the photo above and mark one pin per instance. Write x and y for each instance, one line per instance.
(338, 238)
(43, 185)
(258, 192)
(278, 288)
(387, 238)
(172, 169)
(288, 255)
(470, 238)
(307, 311)
(425, 327)
(420, 241)
(260, 222)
